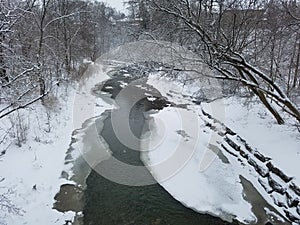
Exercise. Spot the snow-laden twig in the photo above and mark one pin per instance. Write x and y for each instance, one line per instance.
(7, 205)
(28, 103)
(19, 76)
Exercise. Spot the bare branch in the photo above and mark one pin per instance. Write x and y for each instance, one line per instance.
(28, 103)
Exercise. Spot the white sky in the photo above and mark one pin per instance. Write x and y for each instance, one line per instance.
(118, 4)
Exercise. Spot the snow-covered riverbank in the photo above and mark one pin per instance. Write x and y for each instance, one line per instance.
(190, 163)
(32, 174)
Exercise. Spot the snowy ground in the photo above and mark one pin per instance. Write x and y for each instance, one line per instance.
(186, 156)
(30, 175)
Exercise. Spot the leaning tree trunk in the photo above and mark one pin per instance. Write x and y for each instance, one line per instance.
(266, 103)
(297, 65)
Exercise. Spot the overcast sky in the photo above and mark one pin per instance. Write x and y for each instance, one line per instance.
(118, 4)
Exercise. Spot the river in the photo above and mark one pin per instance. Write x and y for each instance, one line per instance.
(135, 197)
(108, 202)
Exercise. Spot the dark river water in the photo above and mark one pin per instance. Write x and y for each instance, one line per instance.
(111, 203)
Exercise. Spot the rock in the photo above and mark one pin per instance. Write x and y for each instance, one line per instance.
(261, 157)
(244, 154)
(206, 114)
(278, 172)
(262, 172)
(292, 217)
(64, 175)
(227, 150)
(292, 201)
(221, 133)
(197, 102)
(208, 124)
(239, 138)
(248, 148)
(276, 186)
(68, 222)
(230, 132)
(232, 144)
(295, 188)
(265, 185)
(279, 200)
(252, 163)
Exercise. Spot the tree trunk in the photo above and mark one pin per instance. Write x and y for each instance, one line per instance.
(41, 80)
(297, 66)
(289, 82)
(266, 103)
(3, 74)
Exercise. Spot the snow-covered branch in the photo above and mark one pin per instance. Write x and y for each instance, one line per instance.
(6, 111)
(19, 76)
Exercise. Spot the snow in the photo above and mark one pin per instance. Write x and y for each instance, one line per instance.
(181, 152)
(151, 99)
(30, 175)
(38, 162)
(84, 103)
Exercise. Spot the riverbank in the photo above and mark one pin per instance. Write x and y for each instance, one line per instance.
(231, 144)
(31, 173)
